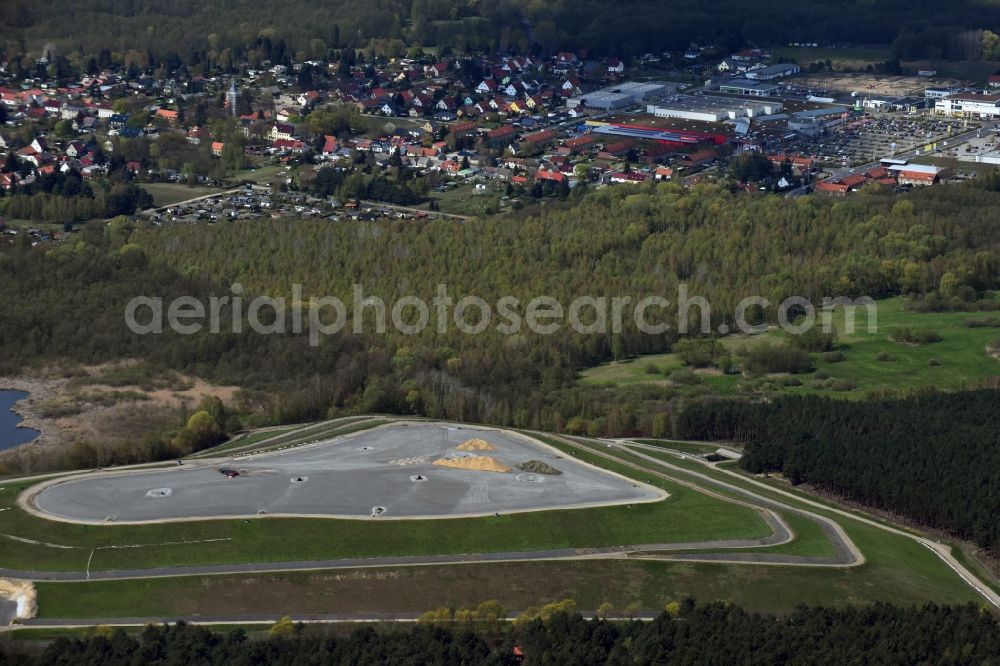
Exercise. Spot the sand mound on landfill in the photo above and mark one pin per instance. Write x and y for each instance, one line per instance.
(477, 463)
(23, 593)
(476, 445)
(538, 467)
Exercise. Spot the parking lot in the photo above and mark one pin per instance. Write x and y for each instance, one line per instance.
(874, 137)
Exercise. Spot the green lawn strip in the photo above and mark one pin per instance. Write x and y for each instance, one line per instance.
(240, 442)
(516, 585)
(280, 539)
(969, 561)
(167, 194)
(693, 448)
(805, 55)
(809, 541)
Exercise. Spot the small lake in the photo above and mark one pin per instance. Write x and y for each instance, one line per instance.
(10, 434)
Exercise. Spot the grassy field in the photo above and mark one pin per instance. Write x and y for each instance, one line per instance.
(165, 194)
(465, 200)
(974, 70)
(646, 584)
(268, 173)
(245, 440)
(854, 57)
(872, 360)
(694, 448)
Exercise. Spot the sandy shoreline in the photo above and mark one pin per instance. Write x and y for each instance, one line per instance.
(38, 390)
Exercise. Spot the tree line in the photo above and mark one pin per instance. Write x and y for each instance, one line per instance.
(690, 633)
(205, 36)
(932, 458)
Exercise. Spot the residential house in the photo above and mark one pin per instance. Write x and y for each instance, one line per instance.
(169, 115)
(464, 128)
(76, 149)
(542, 138)
(439, 69)
(281, 131)
(699, 158)
(632, 177)
(580, 143)
(501, 136)
(486, 87)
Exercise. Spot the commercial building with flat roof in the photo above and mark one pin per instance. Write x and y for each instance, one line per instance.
(619, 96)
(917, 174)
(969, 104)
(749, 88)
(712, 109)
(773, 72)
(814, 122)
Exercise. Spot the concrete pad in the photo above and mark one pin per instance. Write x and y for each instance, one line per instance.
(389, 468)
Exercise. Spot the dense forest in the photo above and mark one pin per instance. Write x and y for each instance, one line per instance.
(933, 458)
(230, 31)
(712, 633)
(66, 302)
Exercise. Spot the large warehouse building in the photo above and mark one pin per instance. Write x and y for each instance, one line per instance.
(712, 109)
(620, 96)
(773, 72)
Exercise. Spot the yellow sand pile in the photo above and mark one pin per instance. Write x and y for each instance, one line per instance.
(22, 592)
(477, 463)
(476, 445)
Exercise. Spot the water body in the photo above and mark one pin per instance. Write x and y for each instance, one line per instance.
(10, 434)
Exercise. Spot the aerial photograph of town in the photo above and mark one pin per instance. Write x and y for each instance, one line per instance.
(488, 333)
